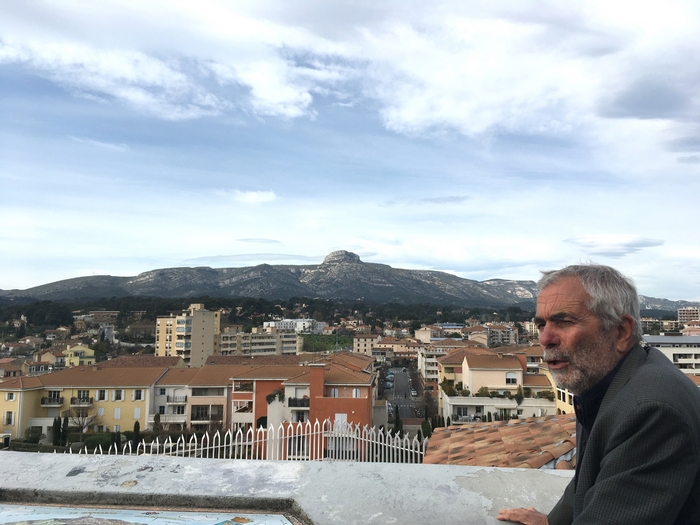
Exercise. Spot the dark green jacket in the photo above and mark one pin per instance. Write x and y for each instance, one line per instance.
(641, 465)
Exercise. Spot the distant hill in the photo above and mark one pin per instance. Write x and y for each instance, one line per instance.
(341, 276)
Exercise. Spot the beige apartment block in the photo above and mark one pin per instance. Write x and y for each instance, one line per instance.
(689, 313)
(364, 343)
(192, 334)
(270, 341)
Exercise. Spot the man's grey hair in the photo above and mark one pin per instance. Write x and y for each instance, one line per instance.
(612, 294)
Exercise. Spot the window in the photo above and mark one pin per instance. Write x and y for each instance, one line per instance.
(136, 395)
(242, 386)
(200, 413)
(179, 410)
(117, 428)
(334, 392)
(161, 391)
(9, 396)
(161, 409)
(83, 395)
(137, 412)
(356, 392)
(117, 413)
(54, 395)
(102, 395)
(511, 378)
(9, 418)
(100, 411)
(117, 395)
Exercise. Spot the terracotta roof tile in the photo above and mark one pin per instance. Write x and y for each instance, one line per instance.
(531, 443)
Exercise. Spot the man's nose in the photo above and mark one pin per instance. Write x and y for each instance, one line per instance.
(548, 336)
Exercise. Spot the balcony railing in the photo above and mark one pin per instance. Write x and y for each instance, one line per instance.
(176, 400)
(206, 418)
(169, 418)
(51, 401)
(299, 402)
(80, 401)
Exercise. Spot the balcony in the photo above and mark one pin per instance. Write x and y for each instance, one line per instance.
(298, 402)
(176, 400)
(200, 419)
(51, 401)
(169, 418)
(81, 401)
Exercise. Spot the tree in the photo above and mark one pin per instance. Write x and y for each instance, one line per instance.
(81, 418)
(157, 426)
(56, 432)
(425, 427)
(483, 392)
(398, 424)
(32, 435)
(519, 395)
(137, 433)
(448, 421)
(64, 432)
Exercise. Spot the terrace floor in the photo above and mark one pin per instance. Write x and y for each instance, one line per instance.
(320, 493)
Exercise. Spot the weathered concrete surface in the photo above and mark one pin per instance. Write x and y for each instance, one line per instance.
(314, 492)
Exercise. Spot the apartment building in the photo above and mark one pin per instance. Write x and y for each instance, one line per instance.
(309, 326)
(683, 351)
(234, 341)
(192, 334)
(364, 344)
(427, 360)
(502, 374)
(689, 313)
(429, 333)
(271, 395)
(109, 399)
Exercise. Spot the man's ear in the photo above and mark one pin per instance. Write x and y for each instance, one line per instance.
(625, 334)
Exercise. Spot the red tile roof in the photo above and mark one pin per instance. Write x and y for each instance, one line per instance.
(529, 443)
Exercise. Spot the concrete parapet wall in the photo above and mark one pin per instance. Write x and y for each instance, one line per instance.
(322, 493)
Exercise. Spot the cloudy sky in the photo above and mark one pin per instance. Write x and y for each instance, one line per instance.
(486, 139)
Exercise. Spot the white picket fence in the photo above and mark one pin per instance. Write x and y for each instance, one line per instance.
(324, 441)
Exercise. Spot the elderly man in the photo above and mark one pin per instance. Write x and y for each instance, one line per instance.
(638, 416)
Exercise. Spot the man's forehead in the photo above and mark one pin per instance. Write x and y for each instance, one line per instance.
(564, 295)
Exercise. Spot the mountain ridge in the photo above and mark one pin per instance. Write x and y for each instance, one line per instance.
(341, 276)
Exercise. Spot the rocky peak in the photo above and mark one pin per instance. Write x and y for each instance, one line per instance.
(341, 256)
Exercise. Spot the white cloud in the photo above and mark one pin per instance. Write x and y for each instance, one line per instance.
(100, 144)
(614, 245)
(250, 197)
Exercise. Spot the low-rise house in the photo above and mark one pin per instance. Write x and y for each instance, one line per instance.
(11, 367)
(79, 355)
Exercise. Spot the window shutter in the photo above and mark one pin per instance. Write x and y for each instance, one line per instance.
(133, 394)
(137, 413)
(114, 395)
(100, 411)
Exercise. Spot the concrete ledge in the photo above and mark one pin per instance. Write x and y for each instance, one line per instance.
(317, 493)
